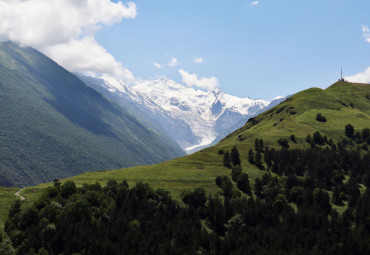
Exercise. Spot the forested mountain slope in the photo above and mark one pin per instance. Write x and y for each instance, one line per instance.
(53, 126)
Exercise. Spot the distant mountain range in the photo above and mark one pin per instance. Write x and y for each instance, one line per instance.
(193, 118)
(53, 126)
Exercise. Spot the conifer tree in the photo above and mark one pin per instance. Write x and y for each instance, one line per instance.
(349, 131)
(234, 157)
(258, 144)
(243, 183)
(251, 156)
(258, 160)
(226, 161)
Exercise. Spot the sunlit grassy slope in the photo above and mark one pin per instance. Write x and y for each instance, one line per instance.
(340, 104)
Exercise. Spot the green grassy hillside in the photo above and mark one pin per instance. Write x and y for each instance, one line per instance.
(53, 126)
(340, 104)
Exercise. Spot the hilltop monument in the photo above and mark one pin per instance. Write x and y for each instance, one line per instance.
(341, 75)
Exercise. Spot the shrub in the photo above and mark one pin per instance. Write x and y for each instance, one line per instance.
(320, 118)
(292, 137)
(221, 152)
(308, 139)
(68, 189)
(283, 143)
(349, 131)
(317, 138)
(197, 198)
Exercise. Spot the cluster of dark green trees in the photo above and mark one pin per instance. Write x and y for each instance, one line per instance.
(290, 210)
(115, 219)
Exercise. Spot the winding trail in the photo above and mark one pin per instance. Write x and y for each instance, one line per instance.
(18, 195)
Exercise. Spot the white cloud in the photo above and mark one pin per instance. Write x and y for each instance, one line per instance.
(173, 62)
(208, 83)
(360, 77)
(363, 77)
(366, 33)
(198, 60)
(254, 3)
(157, 65)
(87, 55)
(60, 28)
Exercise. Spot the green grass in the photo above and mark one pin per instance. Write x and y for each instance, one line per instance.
(6, 199)
(297, 115)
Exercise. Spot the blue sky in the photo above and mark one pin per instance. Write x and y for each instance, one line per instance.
(261, 50)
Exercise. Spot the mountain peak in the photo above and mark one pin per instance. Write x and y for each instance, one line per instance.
(192, 117)
(206, 112)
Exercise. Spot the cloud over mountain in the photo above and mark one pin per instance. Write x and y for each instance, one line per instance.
(363, 77)
(189, 79)
(65, 29)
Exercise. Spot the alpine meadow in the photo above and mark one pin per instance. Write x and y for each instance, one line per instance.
(131, 128)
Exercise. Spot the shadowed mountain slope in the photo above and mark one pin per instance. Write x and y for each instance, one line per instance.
(53, 126)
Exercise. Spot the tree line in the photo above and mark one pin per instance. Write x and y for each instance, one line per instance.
(291, 209)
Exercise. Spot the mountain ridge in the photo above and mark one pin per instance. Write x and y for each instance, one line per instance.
(193, 118)
(54, 126)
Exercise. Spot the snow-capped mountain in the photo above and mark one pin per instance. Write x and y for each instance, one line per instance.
(207, 113)
(143, 108)
(193, 118)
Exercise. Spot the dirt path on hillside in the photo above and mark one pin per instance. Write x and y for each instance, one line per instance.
(18, 195)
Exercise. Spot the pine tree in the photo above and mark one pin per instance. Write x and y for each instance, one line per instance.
(251, 157)
(235, 158)
(243, 183)
(258, 160)
(268, 157)
(226, 161)
(258, 144)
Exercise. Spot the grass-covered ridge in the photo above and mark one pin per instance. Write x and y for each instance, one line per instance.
(340, 104)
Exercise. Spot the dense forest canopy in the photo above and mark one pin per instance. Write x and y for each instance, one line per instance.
(314, 201)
